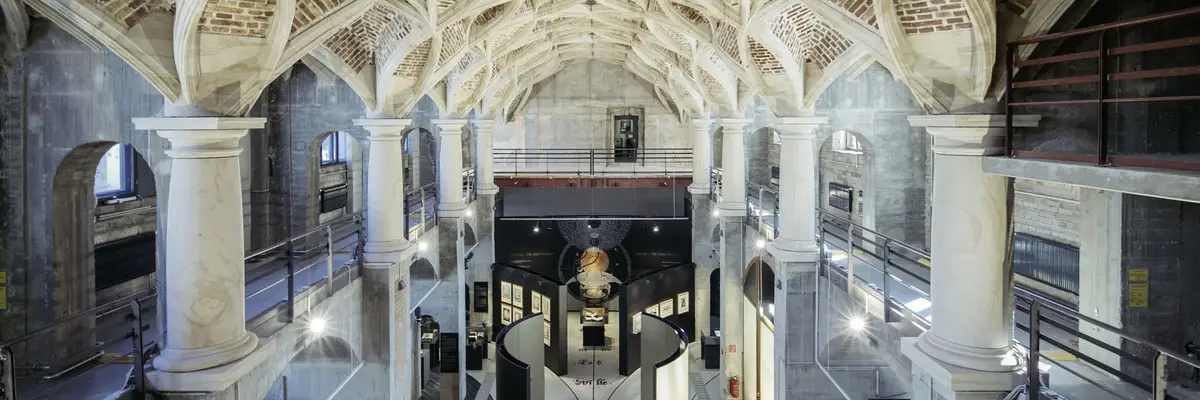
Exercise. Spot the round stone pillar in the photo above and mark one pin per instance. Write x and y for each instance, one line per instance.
(972, 325)
(385, 212)
(205, 267)
(450, 188)
(484, 172)
(701, 156)
(733, 165)
(798, 184)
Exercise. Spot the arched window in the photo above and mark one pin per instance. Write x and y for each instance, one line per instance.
(114, 174)
(335, 149)
(846, 142)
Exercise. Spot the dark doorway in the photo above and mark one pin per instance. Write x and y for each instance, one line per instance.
(625, 138)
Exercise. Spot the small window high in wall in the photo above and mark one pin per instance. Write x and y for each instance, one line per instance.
(114, 174)
(846, 142)
(335, 149)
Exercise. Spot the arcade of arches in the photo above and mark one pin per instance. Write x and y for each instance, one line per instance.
(689, 199)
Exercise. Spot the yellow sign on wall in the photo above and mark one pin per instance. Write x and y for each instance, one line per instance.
(3, 277)
(3, 297)
(1139, 295)
(1139, 275)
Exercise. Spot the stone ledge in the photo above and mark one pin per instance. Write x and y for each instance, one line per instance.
(212, 379)
(1173, 185)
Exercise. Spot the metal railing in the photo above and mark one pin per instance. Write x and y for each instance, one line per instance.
(1106, 146)
(762, 207)
(593, 162)
(420, 210)
(36, 381)
(903, 275)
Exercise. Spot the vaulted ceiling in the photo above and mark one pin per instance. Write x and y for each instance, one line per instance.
(484, 55)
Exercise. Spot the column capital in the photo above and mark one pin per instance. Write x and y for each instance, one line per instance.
(799, 127)
(201, 137)
(703, 123)
(384, 128)
(450, 126)
(969, 134)
(737, 125)
(485, 125)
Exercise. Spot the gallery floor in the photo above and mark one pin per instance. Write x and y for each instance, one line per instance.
(592, 374)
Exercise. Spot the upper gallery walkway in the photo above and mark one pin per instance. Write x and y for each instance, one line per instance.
(1047, 332)
(323, 261)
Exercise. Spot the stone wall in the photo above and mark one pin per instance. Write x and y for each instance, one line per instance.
(846, 168)
(875, 106)
(1047, 210)
(571, 110)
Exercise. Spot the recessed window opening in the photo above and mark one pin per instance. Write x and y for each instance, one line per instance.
(114, 173)
(846, 142)
(335, 149)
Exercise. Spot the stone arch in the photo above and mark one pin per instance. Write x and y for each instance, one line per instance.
(714, 296)
(762, 152)
(469, 239)
(323, 365)
(422, 277)
(848, 168)
(716, 240)
(73, 226)
(323, 177)
(420, 157)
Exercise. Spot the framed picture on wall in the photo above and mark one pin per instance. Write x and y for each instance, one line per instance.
(535, 302)
(505, 292)
(652, 310)
(505, 314)
(517, 314)
(636, 325)
(546, 333)
(681, 302)
(546, 306)
(666, 308)
(518, 296)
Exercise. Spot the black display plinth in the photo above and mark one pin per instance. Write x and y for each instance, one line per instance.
(476, 352)
(711, 352)
(593, 335)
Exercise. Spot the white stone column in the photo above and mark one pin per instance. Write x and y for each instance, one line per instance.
(733, 165)
(450, 188)
(485, 175)
(968, 348)
(385, 189)
(797, 184)
(205, 268)
(701, 157)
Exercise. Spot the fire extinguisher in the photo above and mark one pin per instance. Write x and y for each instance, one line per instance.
(734, 387)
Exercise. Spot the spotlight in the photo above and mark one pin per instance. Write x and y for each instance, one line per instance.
(656, 228)
(468, 213)
(760, 243)
(422, 246)
(536, 229)
(316, 325)
(857, 323)
(716, 213)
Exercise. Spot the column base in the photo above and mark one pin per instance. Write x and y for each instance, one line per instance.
(384, 251)
(789, 250)
(490, 189)
(732, 209)
(452, 210)
(952, 382)
(190, 360)
(212, 379)
(699, 189)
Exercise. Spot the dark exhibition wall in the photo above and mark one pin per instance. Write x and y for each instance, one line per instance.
(519, 360)
(536, 292)
(631, 247)
(654, 202)
(667, 293)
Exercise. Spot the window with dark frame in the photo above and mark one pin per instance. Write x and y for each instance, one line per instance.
(841, 197)
(335, 149)
(114, 173)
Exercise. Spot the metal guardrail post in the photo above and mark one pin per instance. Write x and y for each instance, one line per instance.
(139, 349)
(8, 385)
(1160, 376)
(329, 259)
(887, 291)
(850, 260)
(291, 280)
(1033, 378)
(360, 249)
